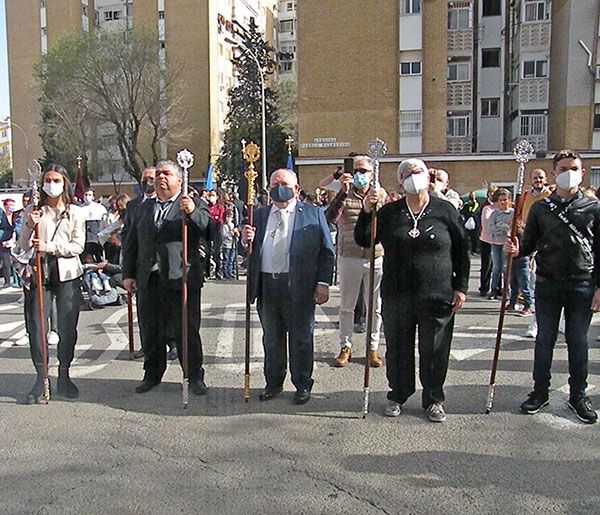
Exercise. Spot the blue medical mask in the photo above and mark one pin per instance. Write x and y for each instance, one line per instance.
(360, 180)
(281, 193)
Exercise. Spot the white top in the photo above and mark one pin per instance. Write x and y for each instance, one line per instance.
(94, 211)
(273, 225)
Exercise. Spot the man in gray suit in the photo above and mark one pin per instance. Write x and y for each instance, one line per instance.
(152, 263)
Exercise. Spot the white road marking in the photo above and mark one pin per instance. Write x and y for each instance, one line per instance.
(7, 327)
(224, 350)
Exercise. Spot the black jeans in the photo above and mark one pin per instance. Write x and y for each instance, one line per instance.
(575, 297)
(485, 274)
(6, 264)
(68, 301)
(160, 320)
(286, 323)
(435, 322)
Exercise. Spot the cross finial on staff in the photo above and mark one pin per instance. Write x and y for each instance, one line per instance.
(79, 159)
(185, 159)
(289, 142)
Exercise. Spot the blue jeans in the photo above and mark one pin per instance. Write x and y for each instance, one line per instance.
(551, 296)
(229, 256)
(286, 323)
(519, 281)
(498, 265)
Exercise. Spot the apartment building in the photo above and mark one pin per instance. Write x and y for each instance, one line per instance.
(447, 79)
(5, 145)
(194, 34)
(287, 41)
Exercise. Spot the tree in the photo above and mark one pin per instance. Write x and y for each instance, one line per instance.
(111, 79)
(244, 118)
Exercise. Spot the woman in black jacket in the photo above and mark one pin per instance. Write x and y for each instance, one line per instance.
(425, 278)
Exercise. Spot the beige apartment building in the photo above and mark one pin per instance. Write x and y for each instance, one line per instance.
(195, 34)
(456, 83)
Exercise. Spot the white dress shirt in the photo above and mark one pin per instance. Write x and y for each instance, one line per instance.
(273, 225)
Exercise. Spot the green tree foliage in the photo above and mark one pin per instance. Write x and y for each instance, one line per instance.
(244, 119)
(109, 79)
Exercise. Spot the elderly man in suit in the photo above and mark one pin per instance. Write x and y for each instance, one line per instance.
(152, 264)
(291, 269)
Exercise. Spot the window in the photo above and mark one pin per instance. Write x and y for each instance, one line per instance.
(4, 134)
(112, 15)
(410, 68)
(535, 69)
(161, 15)
(458, 72)
(490, 107)
(459, 18)
(291, 6)
(411, 123)
(286, 66)
(490, 58)
(492, 8)
(457, 127)
(536, 10)
(84, 10)
(533, 125)
(410, 6)
(597, 117)
(286, 26)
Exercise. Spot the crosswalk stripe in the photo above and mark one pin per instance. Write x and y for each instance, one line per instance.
(10, 326)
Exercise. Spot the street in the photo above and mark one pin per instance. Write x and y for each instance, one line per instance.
(115, 451)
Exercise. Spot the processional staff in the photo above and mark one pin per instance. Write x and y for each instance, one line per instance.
(251, 153)
(376, 150)
(186, 160)
(522, 153)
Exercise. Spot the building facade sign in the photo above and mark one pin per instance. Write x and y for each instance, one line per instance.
(325, 143)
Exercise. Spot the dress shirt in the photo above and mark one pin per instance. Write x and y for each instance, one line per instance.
(272, 227)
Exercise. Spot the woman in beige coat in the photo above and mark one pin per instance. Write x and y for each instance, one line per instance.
(60, 240)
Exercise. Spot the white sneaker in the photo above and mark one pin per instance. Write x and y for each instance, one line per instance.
(532, 329)
(52, 338)
(23, 341)
(393, 409)
(436, 412)
(106, 285)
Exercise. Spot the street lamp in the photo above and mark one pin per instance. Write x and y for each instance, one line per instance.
(13, 124)
(237, 45)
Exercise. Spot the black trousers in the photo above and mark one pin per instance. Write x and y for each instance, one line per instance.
(286, 323)
(160, 319)
(6, 264)
(402, 317)
(68, 301)
(485, 275)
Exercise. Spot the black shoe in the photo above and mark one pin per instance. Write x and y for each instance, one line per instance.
(270, 393)
(147, 384)
(172, 354)
(198, 386)
(535, 402)
(583, 409)
(360, 328)
(138, 354)
(301, 396)
(66, 388)
(33, 397)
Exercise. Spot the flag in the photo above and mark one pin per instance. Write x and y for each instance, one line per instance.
(208, 180)
(290, 162)
(79, 185)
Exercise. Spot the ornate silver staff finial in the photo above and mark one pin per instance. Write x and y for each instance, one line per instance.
(34, 168)
(185, 159)
(522, 152)
(376, 150)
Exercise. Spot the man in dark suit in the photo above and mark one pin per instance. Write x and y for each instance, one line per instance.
(152, 264)
(291, 268)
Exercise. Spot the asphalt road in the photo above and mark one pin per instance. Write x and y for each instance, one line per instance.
(114, 451)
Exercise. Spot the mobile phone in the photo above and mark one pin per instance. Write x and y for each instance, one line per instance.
(349, 165)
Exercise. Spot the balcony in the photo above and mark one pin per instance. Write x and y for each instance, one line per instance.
(460, 42)
(459, 95)
(533, 93)
(535, 36)
(458, 145)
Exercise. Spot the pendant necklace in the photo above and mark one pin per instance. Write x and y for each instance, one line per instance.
(414, 232)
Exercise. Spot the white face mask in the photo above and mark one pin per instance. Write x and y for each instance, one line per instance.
(415, 183)
(53, 189)
(569, 180)
(88, 199)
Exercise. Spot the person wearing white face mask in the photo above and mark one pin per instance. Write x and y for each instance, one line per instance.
(60, 240)
(96, 219)
(564, 229)
(425, 279)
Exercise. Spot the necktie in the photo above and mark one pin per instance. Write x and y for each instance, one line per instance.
(280, 242)
(163, 209)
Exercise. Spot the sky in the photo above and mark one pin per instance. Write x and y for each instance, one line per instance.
(4, 104)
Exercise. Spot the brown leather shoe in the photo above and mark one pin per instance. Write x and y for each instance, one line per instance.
(344, 357)
(374, 359)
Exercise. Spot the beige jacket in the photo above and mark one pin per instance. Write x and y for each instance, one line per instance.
(64, 234)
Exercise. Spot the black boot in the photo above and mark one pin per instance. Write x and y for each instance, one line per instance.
(64, 386)
(33, 397)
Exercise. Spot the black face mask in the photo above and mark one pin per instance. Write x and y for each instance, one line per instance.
(281, 193)
(148, 186)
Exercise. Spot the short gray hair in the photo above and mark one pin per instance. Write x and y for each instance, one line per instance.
(410, 164)
(167, 163)
(361, 157)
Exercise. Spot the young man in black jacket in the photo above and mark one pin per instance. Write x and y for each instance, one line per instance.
(564, 229)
